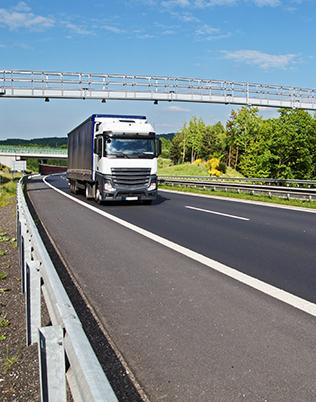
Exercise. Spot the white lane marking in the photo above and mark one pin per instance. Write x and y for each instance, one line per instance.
(218, 213)
(260, 203)
(279, 294)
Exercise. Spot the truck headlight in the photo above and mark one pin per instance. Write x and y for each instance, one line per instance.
(152, 186)
(108, 187)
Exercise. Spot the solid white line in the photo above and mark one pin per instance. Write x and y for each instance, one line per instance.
(218, 213)
(260, 203)
(279, 294)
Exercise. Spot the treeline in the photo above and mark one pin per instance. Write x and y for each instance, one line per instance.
(54, 142)
(283, 147)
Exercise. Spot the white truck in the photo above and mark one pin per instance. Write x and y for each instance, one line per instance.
(114, 158)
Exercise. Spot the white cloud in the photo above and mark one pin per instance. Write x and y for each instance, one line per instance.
(212, 3)
(265, 61)
(188, 18)
(209, 3)
(113, 29)
(78, 29)
(208, 32)
(269, 3)
(175, 3)
(21, 16)
(22, 6)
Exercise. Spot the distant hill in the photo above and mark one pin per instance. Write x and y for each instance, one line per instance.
(54, 142)
(168, 136)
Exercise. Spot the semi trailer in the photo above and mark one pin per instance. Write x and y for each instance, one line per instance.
(114, 158)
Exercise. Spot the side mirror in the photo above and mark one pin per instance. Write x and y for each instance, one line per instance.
(158, 147)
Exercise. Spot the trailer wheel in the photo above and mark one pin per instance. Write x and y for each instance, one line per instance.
(76, 189)
(72, 189)
(90, 191)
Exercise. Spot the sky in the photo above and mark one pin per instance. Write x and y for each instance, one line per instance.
(264, 41)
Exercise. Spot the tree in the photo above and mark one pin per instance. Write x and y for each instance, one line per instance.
(294, 145)
(242, 127)
(213, 141)
(193, 137)
(166, 146)
(176, 148)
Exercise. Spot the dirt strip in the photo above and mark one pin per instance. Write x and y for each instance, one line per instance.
(19, 378)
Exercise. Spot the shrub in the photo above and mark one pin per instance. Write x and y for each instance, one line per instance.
(213, 165)
(222, 167)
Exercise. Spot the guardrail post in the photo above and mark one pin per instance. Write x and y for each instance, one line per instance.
(32, 301)
(21, 243)
(26, 256)
(52, 364)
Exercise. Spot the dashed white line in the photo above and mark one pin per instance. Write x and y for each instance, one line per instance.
(218, 213)
(279, 294)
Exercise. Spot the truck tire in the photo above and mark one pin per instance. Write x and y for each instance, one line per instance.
(90, 191)
(76, 189)
(98, 195)
(72, 187)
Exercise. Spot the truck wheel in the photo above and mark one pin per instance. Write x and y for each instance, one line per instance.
(90, 191)
(72, 189)
(76, 189)
(98, 196)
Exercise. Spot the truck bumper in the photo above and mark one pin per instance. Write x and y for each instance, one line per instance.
(132, 195)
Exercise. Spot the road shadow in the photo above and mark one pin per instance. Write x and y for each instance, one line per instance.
(160, 200)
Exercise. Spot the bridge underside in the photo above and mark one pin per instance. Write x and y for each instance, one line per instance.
(159, 97)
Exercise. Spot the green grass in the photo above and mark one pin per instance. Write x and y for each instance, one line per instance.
(4, 323)
(230, 172)
(2, 337)
(3, 290)
(243, 196)
(4, 238)
(3, 275)
(9, 362)
(184, 169)
(7, 187)
(165, 167)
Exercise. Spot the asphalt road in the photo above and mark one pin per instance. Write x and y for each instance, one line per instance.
(187, 332)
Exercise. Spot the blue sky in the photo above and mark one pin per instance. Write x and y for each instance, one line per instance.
(268, 41)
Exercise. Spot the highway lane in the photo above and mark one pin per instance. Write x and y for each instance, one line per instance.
(187, 332)
(277, 246)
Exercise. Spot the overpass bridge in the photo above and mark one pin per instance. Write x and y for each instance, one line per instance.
(12, 156)
(20, 152)
(78, 85)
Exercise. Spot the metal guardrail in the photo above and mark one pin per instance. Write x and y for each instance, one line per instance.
(257, 180)
(64, 351)
(87, 85)
(271, 187)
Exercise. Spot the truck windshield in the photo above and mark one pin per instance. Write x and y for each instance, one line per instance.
(130, 147)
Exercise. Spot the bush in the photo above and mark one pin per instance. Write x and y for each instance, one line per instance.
(213, 165)
(222, 167)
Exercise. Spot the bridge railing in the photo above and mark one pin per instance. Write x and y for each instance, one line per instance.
(94, 85)
(18, 149)
(64, 350)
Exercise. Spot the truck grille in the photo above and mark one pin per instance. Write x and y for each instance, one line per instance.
(130, 177)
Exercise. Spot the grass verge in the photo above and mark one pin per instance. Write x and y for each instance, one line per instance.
(243, 196)
(7, 187)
